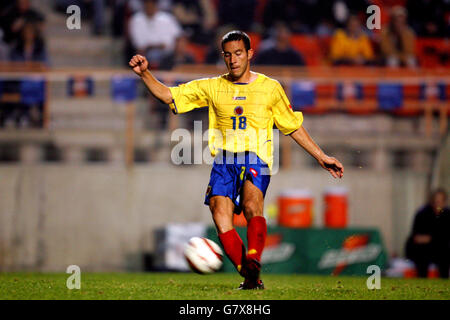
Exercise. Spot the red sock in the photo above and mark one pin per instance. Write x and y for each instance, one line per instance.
(234, 247)
(256, 237)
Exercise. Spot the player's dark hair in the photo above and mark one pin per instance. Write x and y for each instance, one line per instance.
(236, 35)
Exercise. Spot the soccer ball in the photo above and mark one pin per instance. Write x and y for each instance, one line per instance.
(203, 255)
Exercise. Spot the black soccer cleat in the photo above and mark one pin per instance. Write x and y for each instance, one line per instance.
(251, 285)
(253, 269)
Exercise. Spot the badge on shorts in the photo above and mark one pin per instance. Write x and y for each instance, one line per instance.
(208, 190)
(238, 110)
(254, 172)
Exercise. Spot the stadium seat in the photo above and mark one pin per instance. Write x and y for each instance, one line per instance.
(80, 86)
(326, 98)
(198, 51)
(413, 96)
(390, 96)
(433, 53)
(32, 91)
(310, 49)
(255, 39)
(123, 89)
(357, 98)
(303, 94)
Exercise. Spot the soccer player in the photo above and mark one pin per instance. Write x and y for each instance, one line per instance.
(243, 107)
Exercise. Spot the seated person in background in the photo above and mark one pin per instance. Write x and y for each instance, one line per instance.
(281, 51)
(398, 40)
(213, 53)
(4, 49)
(428, 17)
(238, 13)
(178, 56)
(351, 46)
(30, 47)
(14, 17)
(153, 32)
(429, 241)
(197, 17)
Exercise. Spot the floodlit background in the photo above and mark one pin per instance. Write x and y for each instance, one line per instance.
(86, 175)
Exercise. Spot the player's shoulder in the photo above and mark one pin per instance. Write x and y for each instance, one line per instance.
(205, 84)
(268, 79)
(270, 83)
(207, 80)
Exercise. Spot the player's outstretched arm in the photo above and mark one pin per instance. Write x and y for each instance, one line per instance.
(330, 164)
(139, 64)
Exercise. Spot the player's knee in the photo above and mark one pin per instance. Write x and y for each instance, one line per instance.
(218, 211)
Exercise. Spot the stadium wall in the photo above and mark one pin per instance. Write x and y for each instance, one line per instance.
(102, 217)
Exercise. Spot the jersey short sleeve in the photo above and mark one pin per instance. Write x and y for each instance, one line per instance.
(189, 96)
(284, 117)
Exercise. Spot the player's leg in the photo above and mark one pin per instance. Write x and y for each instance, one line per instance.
(253, 205)
(222, 211)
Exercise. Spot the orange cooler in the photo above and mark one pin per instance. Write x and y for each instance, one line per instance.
(295, 208)
(336, 207)
(239, 220)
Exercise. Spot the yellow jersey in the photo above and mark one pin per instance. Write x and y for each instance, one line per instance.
(241, 115)
(345, 47)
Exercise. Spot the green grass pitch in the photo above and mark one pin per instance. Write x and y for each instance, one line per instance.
(188, 286)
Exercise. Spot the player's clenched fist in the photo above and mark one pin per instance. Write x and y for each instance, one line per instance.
(139, 64)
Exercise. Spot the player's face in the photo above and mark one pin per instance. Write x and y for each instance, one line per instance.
(237, 58)
(438, 201)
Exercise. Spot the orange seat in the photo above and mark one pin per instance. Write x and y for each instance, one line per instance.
(255, 39)
(429, 50)
(411, 101)
(309, 47)
(198, 51)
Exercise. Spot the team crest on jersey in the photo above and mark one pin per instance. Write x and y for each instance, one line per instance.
(238, 110)
(239, 98)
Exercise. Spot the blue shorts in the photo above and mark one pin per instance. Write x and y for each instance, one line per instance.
(229, 172)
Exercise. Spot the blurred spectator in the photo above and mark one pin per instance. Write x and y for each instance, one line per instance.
(214, 51)
(153, 32)
(281, 51)
(398, 40)
(98, 15)
(342, 10)
(30, 47)
(429, 241)
(287, 11)
(240, 14)
(4, 49)
(300, 16)
(351, 46)
(325, 28)
(197, 17)
(178, 56)
(427, 17)
(307, 16)
(119, 15)
(15, 16)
